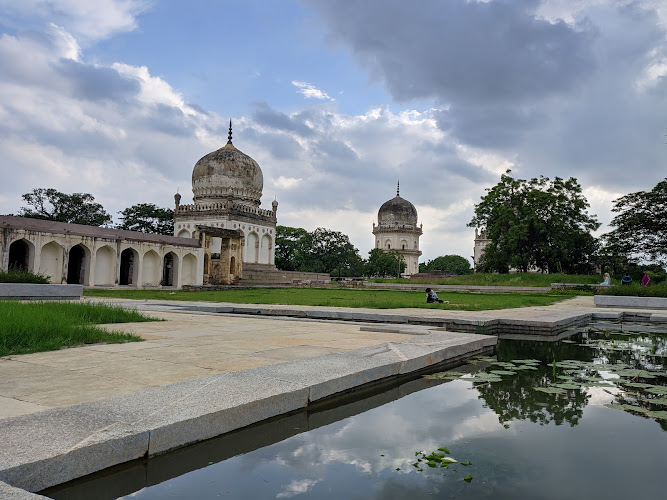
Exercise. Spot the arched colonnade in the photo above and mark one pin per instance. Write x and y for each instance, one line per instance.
(98, 261)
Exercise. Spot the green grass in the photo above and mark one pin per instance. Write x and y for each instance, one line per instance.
(373, 299)
(27, 327)
(21, 276)
(517, 279)
(659, 290)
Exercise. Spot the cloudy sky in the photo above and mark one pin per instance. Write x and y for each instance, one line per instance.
(336, 100)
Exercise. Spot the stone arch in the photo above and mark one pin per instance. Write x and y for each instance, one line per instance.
(78, 265)
(51, 261)
(150, 274)
(232, 265)
(265, 250)
(21, 255)
(170, 269)
(189, 270)
(129, 267)
(105, 266)
(387, 244)
(252, 247)
(184, 233)
(404, 245)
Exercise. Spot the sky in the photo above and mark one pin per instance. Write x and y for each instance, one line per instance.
(337, 100)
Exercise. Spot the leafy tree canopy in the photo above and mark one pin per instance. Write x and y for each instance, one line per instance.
(381, 263)
(77, 208)
(148, 218)
(536, 223)
(319, 251)
(453, 263)
(641, 225)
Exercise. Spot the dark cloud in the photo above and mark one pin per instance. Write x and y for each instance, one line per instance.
(461, 51)
(269, 117)
(96, 82)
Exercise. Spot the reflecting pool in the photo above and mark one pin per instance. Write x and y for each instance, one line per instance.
(583, 417)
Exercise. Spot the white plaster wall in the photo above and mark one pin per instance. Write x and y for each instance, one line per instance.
(51, 262)
(151, 269)
(189, 270)
(105, 266)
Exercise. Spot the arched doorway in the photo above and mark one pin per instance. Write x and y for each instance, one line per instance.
(170, 270)
(232, 265)
(76, 265)
(128, 267)
(19, 255)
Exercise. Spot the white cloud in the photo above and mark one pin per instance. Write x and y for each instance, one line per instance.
(287, 182)
(310, 91)
(90, 20)
(297, 487)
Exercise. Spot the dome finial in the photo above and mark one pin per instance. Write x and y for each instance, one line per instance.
(398, 187)
(229, 136)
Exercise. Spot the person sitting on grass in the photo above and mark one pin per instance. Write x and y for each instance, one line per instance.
(626, 279)
(646, 281)
(607, 280)
(431, 297)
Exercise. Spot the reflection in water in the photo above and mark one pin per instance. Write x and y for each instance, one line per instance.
(364, 447)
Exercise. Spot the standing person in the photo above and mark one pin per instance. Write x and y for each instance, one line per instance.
(607, 280)
(646, 281)
(431, 296)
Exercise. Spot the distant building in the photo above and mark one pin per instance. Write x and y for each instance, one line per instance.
(397, 230)
(481, 242)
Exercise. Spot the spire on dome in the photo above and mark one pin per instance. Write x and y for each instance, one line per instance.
(229, 136)
(398, 186)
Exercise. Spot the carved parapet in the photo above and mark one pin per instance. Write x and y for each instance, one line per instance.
(227, 208)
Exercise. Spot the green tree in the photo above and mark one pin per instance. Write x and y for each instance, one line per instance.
(291, 248)
(641, 225)
(537, 223)
(332, 250)
(320, 251)
(452, 263)
(148, 218)
(382, 264)
(77, 208)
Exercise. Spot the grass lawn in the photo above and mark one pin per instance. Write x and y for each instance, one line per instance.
(27, 327)
(373, 299)
(517, 279)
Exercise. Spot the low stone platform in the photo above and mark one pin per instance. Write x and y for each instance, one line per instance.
(38, 291)
(626, 301)
(57, 445)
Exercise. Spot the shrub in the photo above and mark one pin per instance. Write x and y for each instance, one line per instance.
(21, 276)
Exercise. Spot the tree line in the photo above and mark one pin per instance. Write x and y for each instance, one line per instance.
(81, 208)
(544, 225)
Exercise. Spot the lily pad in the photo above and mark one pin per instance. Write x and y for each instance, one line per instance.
(468, 478)
(550, 390)
(568, 386)
(502, 372)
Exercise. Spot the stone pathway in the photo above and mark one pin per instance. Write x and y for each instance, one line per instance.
(185, 347)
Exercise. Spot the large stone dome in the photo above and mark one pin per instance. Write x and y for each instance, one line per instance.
(397, 211)
(227, 174)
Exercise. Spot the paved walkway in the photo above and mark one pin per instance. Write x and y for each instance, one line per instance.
(185, 347)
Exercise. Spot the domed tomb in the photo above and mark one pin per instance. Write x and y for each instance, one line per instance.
(397, 211)
(397, 230)
(227, 174)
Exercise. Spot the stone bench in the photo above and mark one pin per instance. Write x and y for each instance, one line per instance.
(35, 291)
